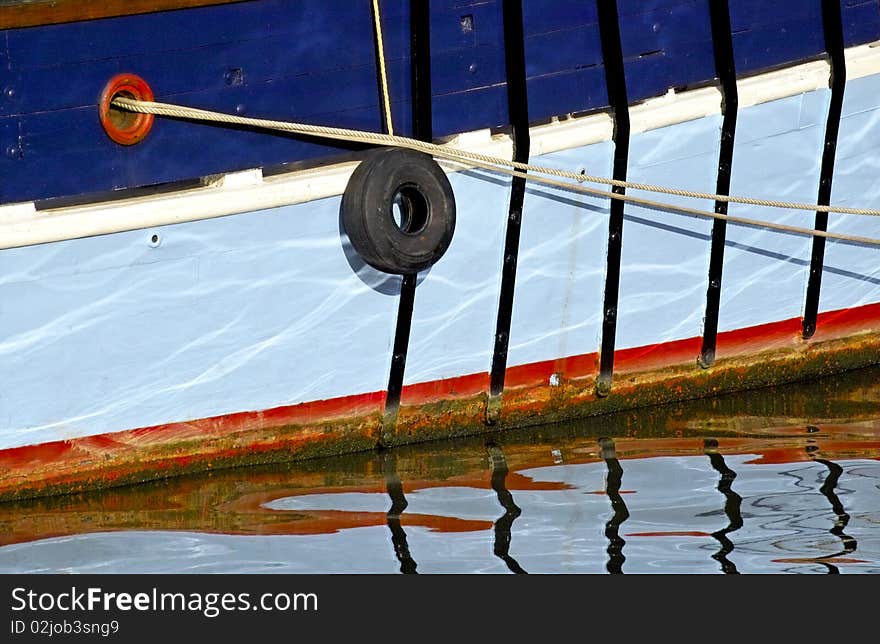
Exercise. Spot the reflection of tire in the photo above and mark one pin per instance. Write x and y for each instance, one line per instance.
(398, 210)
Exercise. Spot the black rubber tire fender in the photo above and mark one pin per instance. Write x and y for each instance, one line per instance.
(425, 203)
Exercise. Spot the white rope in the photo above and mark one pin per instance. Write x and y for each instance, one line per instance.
(511, 168)
(383, 72)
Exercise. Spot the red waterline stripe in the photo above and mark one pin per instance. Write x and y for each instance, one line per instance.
(763, 337)
(657, 356)
(436, 390)
(831, 325)
(538, 373)
(844, 322)
(319, 410)
(738, 342)
(308, 412)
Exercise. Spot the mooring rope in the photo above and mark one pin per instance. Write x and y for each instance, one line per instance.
(383, 71)
(528, 171)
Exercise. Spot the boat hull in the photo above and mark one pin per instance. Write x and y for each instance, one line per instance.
(232, 322)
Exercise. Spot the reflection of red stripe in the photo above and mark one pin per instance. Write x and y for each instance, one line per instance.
(515, 482)
(797, 454)
(327, 521)
(266, 523)
(819, 560)
(672, 533)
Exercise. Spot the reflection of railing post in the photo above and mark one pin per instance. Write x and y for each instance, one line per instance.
(613, 479)
(504, 523)
(388, 463)
(732, 506)
(841, 516)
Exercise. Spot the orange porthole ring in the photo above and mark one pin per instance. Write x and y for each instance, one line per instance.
(126, 128)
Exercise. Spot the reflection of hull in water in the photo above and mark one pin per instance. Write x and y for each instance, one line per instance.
(190, 301)
(684, 511)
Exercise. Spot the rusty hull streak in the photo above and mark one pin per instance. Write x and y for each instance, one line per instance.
(138, 456)
(577, 397)
(135, 458)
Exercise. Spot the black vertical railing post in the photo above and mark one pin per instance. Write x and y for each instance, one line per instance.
(517, 103)
(832, 25)
(725, 69)
(420, 65)
(405, 307)
(612, 54)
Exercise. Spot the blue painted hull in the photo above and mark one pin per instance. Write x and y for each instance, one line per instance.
(314, 61)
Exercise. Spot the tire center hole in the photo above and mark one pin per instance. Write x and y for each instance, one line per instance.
(410, 210)
(122, 119)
